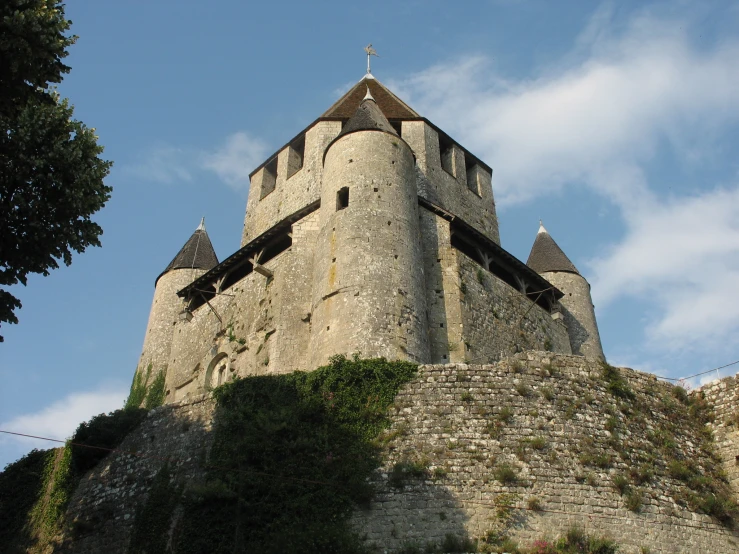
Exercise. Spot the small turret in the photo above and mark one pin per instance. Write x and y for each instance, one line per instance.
(548, 259)
(194, 258)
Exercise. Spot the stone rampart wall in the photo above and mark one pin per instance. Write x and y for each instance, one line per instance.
(546, 417)
(103, 508)
(723, 397)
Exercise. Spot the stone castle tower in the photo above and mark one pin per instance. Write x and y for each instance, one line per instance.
(373, 232)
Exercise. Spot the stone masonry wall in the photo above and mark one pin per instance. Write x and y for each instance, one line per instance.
(498, 321)
(447, 422)
(579, 313)
(451, 191)
(723, 396)
(546, 417)
(290, 193)
(105, 503)
(265, 324)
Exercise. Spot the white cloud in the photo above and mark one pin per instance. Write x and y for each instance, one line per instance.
(598, 118)
(162, 164)
(594, 121)
(240, 154)
(60, 419)
(685, 255)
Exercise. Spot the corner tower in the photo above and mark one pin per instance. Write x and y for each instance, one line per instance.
(193, 260)
(548, 259)
(368, 284)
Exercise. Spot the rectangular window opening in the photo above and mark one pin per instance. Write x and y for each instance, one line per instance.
(446, 151)
(470, 165)
(397, 125)
(269, 177)
(296, 154)
(342, 198)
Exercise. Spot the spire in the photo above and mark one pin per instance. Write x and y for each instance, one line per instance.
(197, 253)
(367, 117)
(546, 255)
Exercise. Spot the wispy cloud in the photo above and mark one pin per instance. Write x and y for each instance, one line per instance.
(598, 118)
(59, 419)
(232, 161)
(684, 254)
(593, 121)
(162, 164)
(236, 158)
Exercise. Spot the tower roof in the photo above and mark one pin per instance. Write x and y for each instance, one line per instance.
(197, 253)
(390, 105)
(546, 255)
(367, 117)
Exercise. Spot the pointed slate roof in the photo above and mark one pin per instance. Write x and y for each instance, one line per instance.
(546, 255)
(367, 117)
(197, 253)
(390, 105)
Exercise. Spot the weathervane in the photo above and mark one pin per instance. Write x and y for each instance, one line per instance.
(370, 52)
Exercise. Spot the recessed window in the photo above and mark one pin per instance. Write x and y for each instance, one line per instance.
(446, 151)
(296, 153)
(342, 198)
(472, 174)
(269, 177)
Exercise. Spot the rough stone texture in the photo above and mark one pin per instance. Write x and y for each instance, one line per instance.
(443, 297)
(291, 193)
(164, 312)
(368, 292)
(442, 422)
(441, 419)
(265, 325)
(451, 191)
(578, 312)
(105, 502)
(723, 396)
(380, 277)
(498, 321)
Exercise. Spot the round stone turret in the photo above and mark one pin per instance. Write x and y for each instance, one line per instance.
(548, 259)
(368, 287)
(194, 258)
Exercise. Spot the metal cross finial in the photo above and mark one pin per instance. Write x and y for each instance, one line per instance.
(370, 52)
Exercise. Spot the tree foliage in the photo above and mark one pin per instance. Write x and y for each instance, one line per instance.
(51, 175)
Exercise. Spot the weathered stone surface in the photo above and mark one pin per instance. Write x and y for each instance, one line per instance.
(442, 421)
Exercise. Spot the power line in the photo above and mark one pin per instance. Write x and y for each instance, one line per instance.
(706, 526)
(698, 374)
(170, 459)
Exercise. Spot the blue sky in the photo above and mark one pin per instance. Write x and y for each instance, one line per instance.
(615, 123)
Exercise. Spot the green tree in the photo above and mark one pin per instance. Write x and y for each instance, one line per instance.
(51, 175)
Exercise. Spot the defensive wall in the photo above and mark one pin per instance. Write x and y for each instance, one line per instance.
(527, 447)
(723, 395)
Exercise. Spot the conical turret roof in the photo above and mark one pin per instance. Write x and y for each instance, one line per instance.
(546, 255)
(367, 117)
(197, 253)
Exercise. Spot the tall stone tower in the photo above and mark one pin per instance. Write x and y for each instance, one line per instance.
(548, 259)
(193, 260)
(368, 289)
